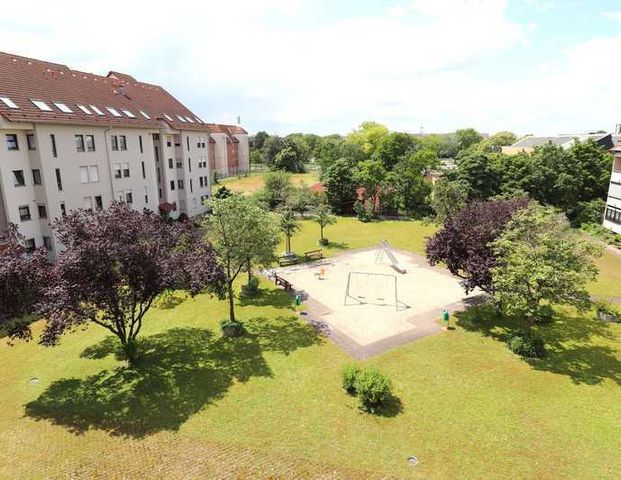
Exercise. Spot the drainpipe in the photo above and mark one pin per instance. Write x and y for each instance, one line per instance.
(110, 174)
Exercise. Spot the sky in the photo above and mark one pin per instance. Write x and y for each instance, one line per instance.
(324, 66)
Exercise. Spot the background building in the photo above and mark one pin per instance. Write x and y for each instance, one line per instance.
(612, 217)
(78, 140)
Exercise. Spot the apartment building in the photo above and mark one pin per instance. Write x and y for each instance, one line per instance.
(77, 140)
(612, 217)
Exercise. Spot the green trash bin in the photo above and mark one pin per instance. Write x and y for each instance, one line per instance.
(298, 300)
(445, 316)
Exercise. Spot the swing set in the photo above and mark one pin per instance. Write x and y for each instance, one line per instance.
(365, 288)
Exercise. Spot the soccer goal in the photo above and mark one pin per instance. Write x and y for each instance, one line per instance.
(365, 288)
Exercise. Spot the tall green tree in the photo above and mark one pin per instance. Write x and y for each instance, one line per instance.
(288, 225)
(259, 140)
(323, 217)
(478, 173)
(467, 137)
(393, 148)
(243, 235)
(368, 136)
(540, 261)
(411, 190)
(371, 176)
(448, 199)
(340, 185)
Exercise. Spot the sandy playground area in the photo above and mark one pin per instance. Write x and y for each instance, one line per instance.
(367, 318)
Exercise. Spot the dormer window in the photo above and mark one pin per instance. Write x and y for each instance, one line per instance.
(113, 111)
(129, 113)
(41, 105)
(84, 109)
(97, 111)
(63, 107)
(8, 102)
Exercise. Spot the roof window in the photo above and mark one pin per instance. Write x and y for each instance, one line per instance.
(129, 113)
(97, 111)
(181, 118)
(145, 115)
(198, 120)
(189, 119)
(41, 105)
(8, 102)
(113, 111)
(63, 107)
(84, 109)
(168, 117)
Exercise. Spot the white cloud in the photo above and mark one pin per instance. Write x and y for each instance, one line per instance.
(418, 63)
(613, 15)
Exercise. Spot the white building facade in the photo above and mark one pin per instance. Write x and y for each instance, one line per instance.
(612, 217)
(72, 140)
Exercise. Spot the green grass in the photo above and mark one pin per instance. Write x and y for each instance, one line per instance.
(270, 405)
(608, 282)
(255, 182)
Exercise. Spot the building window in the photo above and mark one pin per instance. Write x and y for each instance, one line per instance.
(157, 154)
(59, 180)
(42, 211)
(159, 192)
(126, 170)
(179, 164)
(144, 172)
(187, 142)
(180, 184)
(189, 164)
(140, 143)
(98, 202)
(172, 184)
(53, 140)
(117, 170)
(89, 174)
(30, 140)
(146, 194)
(114, 142)
(87, 203)
(11, 141)
(63, 210)
(30, 245)
(79, 143)
(47, 243)
(613, 214)
(159, 175)
(200, 181)
(36, 176)
(18, 176)
(191, 186)
(170, 163)
(617, 165)
(90, 143)
(24, 213)
(83, 174)
(129, 198)
(122, 142)
(168, 142)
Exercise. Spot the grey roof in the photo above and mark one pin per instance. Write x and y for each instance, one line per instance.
(560, 140)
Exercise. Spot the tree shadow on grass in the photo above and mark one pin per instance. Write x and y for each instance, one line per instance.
(180, 372)
(338, 245)
(574, 343)
(269, 297)
(392, 408)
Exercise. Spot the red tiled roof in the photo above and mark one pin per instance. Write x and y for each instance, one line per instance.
(24, 79)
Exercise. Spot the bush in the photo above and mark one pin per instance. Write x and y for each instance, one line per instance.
(231, 328)
(527, 346)
(251, 289)
(183, 217)
(363, 212)
(349, 375)
(373, 389)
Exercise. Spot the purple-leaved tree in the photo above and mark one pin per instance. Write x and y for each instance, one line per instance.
(115, 264)
(22, 277)
(464, 242)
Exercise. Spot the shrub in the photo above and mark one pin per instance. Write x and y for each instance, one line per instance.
(373, 389)
(183, 217)
(232, 329)
(530, 346)
(363, 212)
(251, 289)
(349, 375)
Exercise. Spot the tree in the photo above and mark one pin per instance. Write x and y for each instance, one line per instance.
(367, 136)
(411, 190)
(328, 151)
(393, 148)
(271, 147)
(243, 235)
(288, 225)
(259, 140)
(301, 199)
(290, 158)
(115, 264)
(495, 143)
(340, 185)
(371, 176)
(477, 173)
(323, 216)
(540, 262)
(464, 242)
(276, 189)
(553, 178)
(466, 137)
(592, 165)
(448, 199)
(22, 280)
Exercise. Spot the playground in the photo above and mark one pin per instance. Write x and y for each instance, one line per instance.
(374, 299)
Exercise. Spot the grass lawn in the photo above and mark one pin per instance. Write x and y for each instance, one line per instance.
(254, 182)
(269, 405)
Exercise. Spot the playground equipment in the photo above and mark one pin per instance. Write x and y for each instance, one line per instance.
(365, 288)
(384, 248)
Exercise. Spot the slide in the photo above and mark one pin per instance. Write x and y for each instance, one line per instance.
(385, 246)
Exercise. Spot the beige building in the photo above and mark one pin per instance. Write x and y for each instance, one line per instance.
(76, 140)
(612, 217)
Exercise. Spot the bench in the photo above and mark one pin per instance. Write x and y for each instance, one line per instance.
(313, 255)
(279, 281)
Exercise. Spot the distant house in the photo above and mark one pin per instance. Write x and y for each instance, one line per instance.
(528, 144)
(612, 217)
